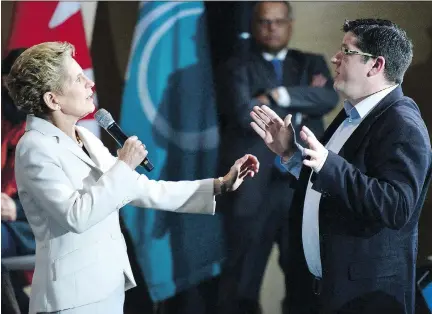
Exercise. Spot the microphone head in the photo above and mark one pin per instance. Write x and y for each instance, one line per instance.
(103, 118)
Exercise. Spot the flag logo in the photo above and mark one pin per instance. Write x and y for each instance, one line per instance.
(154, 33)
(168, 102)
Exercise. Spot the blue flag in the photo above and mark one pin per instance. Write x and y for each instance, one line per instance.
(169, 103)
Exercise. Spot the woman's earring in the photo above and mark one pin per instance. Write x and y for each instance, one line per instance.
(58, 107)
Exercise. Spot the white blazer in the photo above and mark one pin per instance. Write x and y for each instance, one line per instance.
(72, 203)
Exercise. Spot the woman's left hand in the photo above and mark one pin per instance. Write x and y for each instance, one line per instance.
(247, 166)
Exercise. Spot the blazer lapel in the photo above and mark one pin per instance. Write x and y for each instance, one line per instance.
(264, 70)
(292, 70)
(48, 129)
(98, 152)
(349, 150)
(77, 151)
(333, 127)
(292, 65)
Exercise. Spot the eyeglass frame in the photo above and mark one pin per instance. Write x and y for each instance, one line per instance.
(348, 52)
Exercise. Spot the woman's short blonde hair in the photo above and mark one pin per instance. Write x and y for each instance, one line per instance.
(39, 69)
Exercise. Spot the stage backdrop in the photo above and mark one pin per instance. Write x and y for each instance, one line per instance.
(168, 102)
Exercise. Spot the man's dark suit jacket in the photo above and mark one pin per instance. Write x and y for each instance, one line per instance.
(247, 76)
(372, 195)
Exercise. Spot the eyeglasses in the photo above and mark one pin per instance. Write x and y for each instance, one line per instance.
(277, 22)
(349, 52)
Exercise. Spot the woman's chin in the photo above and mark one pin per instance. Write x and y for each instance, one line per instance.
(92, 107)
(88, 112)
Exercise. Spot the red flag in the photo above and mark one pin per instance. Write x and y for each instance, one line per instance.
(37, 22)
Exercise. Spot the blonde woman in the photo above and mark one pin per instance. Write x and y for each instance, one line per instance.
(72, 188)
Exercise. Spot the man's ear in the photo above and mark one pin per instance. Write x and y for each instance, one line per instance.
(51, 101)
(377, 67)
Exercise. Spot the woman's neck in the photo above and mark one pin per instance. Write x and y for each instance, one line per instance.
(66, 124)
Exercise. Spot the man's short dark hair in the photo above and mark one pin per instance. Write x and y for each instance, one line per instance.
(383, 38)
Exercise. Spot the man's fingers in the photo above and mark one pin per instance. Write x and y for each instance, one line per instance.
(312, 153)
(303, 136)
(310, 140)
(262, 115)
(259, 130)
(309, 163)
(287, 120)
(271, 114)
(308, 131)
(261, 123)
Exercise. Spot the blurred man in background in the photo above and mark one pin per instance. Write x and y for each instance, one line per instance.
(289, 81)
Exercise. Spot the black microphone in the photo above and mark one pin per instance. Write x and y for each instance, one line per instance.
(107, 122)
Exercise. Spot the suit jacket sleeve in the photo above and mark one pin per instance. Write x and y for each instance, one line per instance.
(396, 170)
(236, 100)
(76, 210)
(182, 196)
(235, 97)
(315, 101)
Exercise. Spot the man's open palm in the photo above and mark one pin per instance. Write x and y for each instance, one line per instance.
(278, 134)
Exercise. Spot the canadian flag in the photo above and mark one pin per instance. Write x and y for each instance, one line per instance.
(36, 22)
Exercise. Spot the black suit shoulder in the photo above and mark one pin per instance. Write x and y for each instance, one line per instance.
(252, 55)
(406, 120)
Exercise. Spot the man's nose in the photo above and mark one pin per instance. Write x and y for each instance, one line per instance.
(336, 57)
(272, 25)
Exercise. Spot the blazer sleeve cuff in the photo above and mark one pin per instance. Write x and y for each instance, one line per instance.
(207, 188)
(295, 163)
(195, 197)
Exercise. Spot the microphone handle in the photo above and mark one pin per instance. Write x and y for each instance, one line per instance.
(117, 133)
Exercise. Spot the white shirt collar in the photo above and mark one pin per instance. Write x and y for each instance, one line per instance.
(361, 110)
(280, 55)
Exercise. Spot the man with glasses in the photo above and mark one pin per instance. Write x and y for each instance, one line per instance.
(361, 187)
(289, 81)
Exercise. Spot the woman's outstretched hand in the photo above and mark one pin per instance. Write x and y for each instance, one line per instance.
(247, 166)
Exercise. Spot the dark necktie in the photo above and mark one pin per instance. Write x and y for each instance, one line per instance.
(277, 66)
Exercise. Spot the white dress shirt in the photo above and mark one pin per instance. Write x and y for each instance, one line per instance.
(284, 99)
(310, 226)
